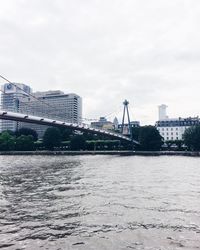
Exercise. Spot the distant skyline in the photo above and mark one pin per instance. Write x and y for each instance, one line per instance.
(147, 52)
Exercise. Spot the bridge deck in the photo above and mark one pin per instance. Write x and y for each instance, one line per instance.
(7, 115)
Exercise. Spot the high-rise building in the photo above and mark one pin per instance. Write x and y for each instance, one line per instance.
(54, 105)
(10, 98)
(162, 113)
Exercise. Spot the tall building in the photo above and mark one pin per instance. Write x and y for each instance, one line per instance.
(52, 104)
(10, 98)
(162, 112)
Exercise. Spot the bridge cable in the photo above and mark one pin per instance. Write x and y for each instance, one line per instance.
(29, 94)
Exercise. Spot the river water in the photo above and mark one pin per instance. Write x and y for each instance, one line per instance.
(99, 202)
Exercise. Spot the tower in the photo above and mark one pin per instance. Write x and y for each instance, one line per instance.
(115, 123)
(162, 114)
(12, 94)
(126, 129)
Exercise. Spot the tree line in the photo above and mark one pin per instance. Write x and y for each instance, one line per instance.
(149, 139)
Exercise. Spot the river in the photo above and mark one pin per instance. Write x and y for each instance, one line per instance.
(99, 202)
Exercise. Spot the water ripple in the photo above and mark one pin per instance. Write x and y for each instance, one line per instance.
(99, 202)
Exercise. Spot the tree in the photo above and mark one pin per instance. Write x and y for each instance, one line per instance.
(7, 142)
(135, 133)
(169, 144)
(27, 131)
(52, 138)
(25, 143)
(78, 142)
(10, 132)
(89, 136)
(192, 138)
(179, 144)
(149, 138)
(66, 133)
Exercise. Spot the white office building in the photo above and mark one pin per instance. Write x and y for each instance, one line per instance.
(52, 104)
(10, 97)
(173, 129)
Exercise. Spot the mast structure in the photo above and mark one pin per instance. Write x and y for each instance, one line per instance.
(126, 130)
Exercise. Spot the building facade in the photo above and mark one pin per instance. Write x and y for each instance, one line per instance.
(52, 104)
(173, 129)
(102, 123)
(10, 97)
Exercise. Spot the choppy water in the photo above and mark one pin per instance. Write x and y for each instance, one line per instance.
(99, 202)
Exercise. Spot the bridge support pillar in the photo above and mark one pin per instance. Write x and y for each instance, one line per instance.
(126, 130)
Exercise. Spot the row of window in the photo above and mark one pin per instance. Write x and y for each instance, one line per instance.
(167, 129)
(186, 122)
(172, 138)
(163, 134)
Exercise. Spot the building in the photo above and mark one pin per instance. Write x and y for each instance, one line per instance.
(102, 124)
(10, 98)
(134, 124)
(115, 123)
(162, 112)
(52, 104)
(173, 129)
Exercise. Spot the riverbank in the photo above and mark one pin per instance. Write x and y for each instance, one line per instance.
(122, 153)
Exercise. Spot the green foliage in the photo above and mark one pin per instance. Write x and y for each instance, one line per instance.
(52, 138)
(90, 136)
(66, 133)
(135, 133)
(78, 142)
(174, 145)
(25, 143)
(192, 138)
(7, 142)
(179, 144)
(10, 132)
(27, 131)
(149, 138)
(169, 144)
(103, 145)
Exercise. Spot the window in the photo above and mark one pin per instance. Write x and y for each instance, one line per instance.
(171, 128)
(172, 138)
(167, 138)
(176, 138)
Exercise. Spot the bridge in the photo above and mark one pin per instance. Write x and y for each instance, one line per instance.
(6, 115)
(29, 118)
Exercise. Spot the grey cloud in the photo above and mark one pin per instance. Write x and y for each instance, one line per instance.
(145, 51)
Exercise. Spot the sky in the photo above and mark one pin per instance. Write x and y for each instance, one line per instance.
(145, 51)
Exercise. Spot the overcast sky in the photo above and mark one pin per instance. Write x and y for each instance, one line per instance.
(147, 51)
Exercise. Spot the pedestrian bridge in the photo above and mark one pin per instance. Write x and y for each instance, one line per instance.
(7, 115)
